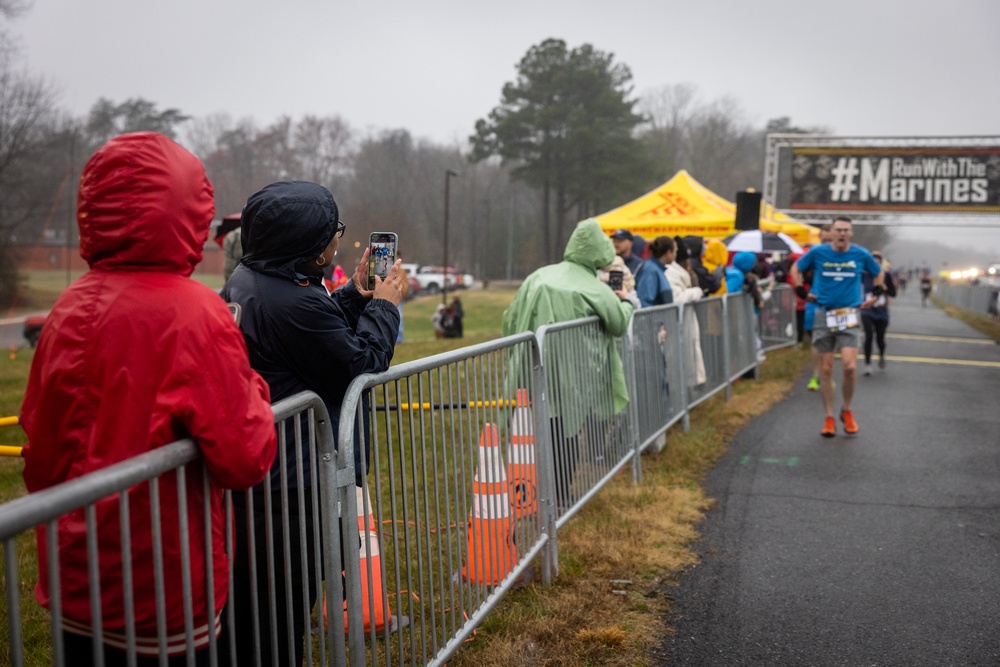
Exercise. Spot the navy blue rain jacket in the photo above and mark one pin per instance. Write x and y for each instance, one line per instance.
(298, 336)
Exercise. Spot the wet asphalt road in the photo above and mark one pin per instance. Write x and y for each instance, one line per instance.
(881, 549)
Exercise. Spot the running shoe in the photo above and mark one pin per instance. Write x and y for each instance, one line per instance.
(881, 362)
(850, 426)
(813, 384)
(868, 369)
(829, 428)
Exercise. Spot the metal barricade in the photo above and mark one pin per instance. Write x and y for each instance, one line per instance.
(705, 336)
(777, 319)
(458, 454)
(142, 557)
(741, 336)
(655, 372)
(981, 298)
(472, 460)
(587, 403)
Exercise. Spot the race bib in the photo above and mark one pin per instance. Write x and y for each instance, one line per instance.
(841, 318)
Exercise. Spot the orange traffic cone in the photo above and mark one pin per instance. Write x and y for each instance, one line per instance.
(492, 552)
(370, 560)
(521, 458)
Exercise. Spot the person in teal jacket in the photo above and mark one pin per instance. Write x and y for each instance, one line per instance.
(567, 291)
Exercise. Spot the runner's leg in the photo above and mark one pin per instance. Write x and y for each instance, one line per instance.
(880, 327)
(849, 362)
(869, 324)
(826, 380)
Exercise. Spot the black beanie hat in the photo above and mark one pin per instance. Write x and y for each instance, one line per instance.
(682, 250)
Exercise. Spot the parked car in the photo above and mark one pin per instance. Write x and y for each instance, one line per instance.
(433, 279)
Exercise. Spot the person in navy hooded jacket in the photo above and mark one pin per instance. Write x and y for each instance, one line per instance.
(299, 337)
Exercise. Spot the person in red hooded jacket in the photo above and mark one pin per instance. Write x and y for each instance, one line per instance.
(136, 355)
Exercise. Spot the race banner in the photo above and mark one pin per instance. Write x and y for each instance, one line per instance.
(928, 179)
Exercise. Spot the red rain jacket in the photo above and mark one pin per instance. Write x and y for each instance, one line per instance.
(133, 356)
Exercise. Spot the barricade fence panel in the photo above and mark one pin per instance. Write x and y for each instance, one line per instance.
(150, 585)
(777, 318)
(587, 401)
(656, 372)
(981, 298)
(742, 338)
(705, 347)
(454, 447)
(451, 478)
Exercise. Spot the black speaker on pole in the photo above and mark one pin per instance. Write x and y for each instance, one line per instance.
(747, 210)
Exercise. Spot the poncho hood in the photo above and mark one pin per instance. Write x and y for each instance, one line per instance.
(589, 246)
(144, 204)
(286, 224)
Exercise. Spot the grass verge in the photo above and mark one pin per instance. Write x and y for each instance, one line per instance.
(640, 534)
(981, 323)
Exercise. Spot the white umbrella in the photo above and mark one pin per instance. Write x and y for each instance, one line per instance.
(755, 240)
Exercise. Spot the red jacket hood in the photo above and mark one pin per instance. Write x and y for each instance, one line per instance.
(144, 204)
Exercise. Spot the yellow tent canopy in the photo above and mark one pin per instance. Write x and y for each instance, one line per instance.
(683, 206)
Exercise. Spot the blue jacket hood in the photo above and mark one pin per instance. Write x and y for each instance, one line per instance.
(286, 224)
(744, 261)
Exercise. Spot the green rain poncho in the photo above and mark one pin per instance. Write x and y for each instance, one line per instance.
(567, 291)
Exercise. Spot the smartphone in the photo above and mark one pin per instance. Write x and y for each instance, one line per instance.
(615, 279)
(381, 255)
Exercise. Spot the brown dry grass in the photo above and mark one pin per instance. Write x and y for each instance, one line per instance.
(981, 323)
(609, 604)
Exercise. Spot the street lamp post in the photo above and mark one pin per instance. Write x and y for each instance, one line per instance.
(444, 268)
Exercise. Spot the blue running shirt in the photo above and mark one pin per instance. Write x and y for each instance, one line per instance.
(837, 275)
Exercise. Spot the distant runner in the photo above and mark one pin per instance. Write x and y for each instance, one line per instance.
(925, 288)
(836, 290)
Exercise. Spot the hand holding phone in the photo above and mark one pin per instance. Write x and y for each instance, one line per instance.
(615, 279)
(381, 255)
(391, 289)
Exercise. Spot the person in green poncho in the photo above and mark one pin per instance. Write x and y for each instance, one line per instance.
(567, 291)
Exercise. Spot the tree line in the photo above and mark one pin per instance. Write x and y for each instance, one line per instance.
(568, 139)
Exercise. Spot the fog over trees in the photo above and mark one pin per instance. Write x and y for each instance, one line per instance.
(568, 139)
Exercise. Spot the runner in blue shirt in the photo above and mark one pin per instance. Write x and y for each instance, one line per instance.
(836, 291)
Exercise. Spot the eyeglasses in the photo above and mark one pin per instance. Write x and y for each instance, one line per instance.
(340, 229)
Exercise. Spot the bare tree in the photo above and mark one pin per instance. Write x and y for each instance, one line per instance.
(13, 8)
(26, 118)
(723, 151)
(107, 119)
(234, 166)
(323, 147)
(668, 111)
(201, 135)
(10, 9)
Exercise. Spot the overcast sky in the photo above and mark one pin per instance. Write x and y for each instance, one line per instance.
(433, 67)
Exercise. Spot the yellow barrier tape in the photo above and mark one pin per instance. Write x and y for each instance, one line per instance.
(452, 406)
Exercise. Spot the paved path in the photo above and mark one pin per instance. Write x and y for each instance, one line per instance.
(883, 549)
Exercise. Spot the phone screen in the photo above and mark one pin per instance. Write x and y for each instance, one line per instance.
(381, 255)
(615, 279)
